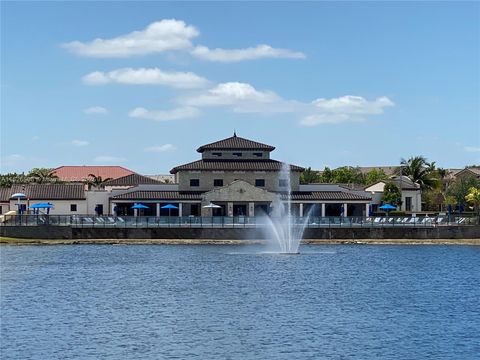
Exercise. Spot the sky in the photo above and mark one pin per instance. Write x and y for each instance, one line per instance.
(144, 84)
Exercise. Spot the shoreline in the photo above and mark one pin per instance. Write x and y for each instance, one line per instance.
(22, 241)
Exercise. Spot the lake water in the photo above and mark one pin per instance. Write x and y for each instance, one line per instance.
(232, 302)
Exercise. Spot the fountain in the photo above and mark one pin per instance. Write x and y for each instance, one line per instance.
(282, 229)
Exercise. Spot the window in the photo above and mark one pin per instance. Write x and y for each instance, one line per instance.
(216, 154)
(260, 182)
(408, 203)
(218, 182)
(194, 182)
(73, 207)
(282, 182)
(237, 154)
(258, 154)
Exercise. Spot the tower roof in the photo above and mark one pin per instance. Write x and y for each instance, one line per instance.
(235, 143)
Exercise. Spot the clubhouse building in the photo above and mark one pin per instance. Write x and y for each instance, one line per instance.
(234, 177)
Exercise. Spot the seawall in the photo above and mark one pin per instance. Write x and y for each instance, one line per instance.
(240, 234)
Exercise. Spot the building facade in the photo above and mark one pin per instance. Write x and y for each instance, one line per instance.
(239, 177)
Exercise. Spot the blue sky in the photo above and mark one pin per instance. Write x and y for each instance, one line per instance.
(327, 83)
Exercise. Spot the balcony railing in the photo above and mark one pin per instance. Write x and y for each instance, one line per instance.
(227, 222)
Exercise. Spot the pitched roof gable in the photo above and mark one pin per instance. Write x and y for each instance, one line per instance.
(235, 143)
(131, 180)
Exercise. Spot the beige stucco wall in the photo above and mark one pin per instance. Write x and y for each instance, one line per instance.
(61, 207)
(246, 155)
(206, 179)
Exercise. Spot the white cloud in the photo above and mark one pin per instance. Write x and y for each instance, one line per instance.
(472, 148)
(108, 159)
(317, 119)
(161, 148)
(165, 115)
(80, 143)
(95, 110)
(146, 76)
(251, 53)
(160, 36)
(231, 93)
(344, 109)
(353, 105)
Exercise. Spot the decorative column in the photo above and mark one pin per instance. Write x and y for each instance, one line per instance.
(251, 209)
(367, 208)
(230, 209)
(112, 208)
(158, 209)
(323, 210)
(180, 209)
(345, 210)
(135, 212)
(300, 210)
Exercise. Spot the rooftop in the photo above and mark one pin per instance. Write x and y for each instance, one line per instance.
(235, 143)
(80, 173)
(45, 191)
(235, 165)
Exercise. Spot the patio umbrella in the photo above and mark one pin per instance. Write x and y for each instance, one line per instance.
(387, 207)
(18, 196)
(212, 206)
(139, 206)
(47, 206)
(169, 207)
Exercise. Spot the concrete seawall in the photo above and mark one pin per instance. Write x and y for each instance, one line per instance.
(311, 234)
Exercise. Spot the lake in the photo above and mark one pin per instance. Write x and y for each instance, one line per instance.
(234, 302)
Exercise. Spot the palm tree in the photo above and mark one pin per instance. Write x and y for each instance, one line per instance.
(95, 181)
(420, 172)
(42, 175)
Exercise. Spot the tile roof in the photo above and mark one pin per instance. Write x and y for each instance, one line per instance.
(45, 191)
(234, 165)
(160, 195)
(235, 143)
(131, 180)
(80, 173)
(325, 195)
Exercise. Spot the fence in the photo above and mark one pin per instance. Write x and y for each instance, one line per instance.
(228, 222)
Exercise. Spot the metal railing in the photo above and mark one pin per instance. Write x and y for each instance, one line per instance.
(228, 222)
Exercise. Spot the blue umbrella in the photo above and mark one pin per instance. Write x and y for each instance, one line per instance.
(38, 206)
(169, 207)
(42, 206)
(139, 206)
(387, 207)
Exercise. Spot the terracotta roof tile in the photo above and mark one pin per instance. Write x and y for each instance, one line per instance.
(80, 173)
(234, 165)
(160, 195)
(131, 180)
(325, 195)
(235, 143)
(45, 191)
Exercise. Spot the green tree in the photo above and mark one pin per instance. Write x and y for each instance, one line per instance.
(327, 176)
(374, 176)
(391, 194)
(309, 176)
(96, 181)
(460, 188)
(473, 198)
(420, 172)
(42, 176)
(7, 180)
